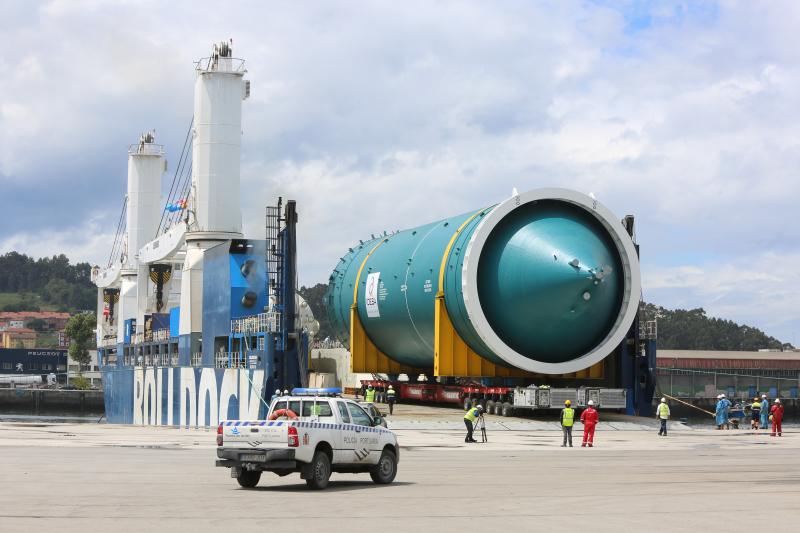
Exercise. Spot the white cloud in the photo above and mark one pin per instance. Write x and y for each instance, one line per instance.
(90, 242)
(759, 290)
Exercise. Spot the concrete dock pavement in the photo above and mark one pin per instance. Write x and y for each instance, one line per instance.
(81, 477)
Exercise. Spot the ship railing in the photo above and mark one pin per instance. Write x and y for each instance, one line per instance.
(197, 359)
(173, 359)
(160, 335)
(146, 149)
(109, 342)
(137, 338)
(220, 64)
(230, 360)
(262, 322)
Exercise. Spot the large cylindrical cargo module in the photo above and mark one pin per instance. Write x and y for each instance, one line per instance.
(546, 281)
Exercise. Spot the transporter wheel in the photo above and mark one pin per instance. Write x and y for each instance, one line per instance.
(490, 406)
(249, 478)
(498, 409)
(320, 471)
(383, 473)
(507, 409)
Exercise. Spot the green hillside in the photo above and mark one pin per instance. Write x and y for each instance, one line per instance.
(24, 301)
(45, 284)
(692, 329)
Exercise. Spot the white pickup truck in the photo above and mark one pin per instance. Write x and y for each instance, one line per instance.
(310, 433)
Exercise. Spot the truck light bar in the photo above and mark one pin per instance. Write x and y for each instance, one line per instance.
(331, 391)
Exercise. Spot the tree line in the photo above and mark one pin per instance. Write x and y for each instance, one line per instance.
(62, 285)
(692, 329)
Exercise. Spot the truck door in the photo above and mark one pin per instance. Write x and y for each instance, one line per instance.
(364, 437)
(343, 451)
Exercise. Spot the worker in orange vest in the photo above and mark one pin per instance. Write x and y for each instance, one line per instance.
(589, 417)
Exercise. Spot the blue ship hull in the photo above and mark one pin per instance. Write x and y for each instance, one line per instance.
(182, 396)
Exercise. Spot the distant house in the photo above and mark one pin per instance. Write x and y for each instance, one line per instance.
(17, 338)
(53, 321)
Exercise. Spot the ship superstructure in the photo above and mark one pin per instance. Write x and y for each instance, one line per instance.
(195, 321)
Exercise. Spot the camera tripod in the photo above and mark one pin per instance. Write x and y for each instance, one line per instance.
(480, 423)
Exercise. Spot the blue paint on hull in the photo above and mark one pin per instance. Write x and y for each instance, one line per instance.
(183, 396)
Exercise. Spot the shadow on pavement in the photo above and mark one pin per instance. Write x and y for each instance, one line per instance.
(334, 486)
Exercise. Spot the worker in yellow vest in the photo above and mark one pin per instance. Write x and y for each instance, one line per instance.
(469, 420)
(391, 397)
(662, 414)
(567, 421)
(755, 408)
(369, 396)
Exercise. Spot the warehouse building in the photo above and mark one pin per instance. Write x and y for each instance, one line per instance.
(705, 373)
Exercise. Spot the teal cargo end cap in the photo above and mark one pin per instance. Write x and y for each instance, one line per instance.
(550, 281)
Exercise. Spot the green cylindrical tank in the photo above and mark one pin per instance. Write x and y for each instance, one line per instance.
(546, 281)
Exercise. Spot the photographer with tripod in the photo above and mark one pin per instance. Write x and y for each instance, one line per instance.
(473, 414)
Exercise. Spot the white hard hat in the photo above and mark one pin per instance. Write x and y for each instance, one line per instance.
(590, 402)
(663, 400)
(277, 391)
(722, 395)
(390, 386)
(777, 400)
(763, 395)
(286, 391)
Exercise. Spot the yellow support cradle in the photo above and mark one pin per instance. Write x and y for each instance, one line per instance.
(366, 358)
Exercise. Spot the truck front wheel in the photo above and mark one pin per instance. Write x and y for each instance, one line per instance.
(320, 471)
(249, 478)
(383, 473)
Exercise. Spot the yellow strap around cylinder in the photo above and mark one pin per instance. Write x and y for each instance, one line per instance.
(450, 246)
(358, 274)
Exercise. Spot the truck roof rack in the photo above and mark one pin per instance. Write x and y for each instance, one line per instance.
(330, 391)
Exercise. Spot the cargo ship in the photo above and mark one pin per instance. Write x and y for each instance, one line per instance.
(195, 321)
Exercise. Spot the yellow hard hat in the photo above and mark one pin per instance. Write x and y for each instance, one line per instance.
(567, 402)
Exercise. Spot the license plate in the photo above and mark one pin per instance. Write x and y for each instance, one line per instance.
(255, 457)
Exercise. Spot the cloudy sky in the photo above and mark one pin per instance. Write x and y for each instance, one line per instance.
(383, 115)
